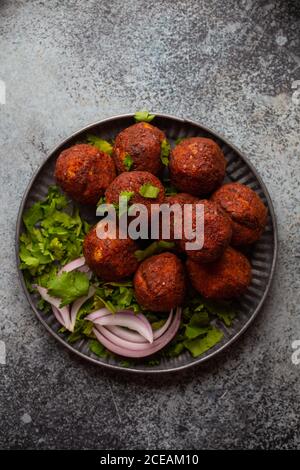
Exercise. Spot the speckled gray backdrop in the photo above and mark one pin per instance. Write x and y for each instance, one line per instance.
(232, 65)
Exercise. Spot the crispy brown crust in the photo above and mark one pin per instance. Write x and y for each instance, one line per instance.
(142, 142)
(217, 233)
(181, 199)
(246, 210)
(159, 283)
(197, 166)
(110, 259)
(84, 173)
(133, 181)
(226, 278)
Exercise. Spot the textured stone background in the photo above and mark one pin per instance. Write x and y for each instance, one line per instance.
(231, 65)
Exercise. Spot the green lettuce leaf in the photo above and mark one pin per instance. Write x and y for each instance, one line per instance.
(198, 325)
(201, 344)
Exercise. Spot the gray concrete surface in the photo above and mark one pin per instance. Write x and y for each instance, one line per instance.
(232, 65)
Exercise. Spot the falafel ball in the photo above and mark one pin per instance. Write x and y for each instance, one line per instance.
(181, 199)
(135, 182)
(138, 147)
(159, 283)
(197, 166)
(217, 232)
(112, 259)
(226, 278)
(84, 173)
(246, 210)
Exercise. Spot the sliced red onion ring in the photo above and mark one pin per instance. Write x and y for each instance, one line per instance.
(129, 320)
(136, 337)
(55, 302)
(102, 312)
(77, 304)
(149, 349)
(160, 331)
(75, 264)
(127, 334)
(57, 315)
(134, 346)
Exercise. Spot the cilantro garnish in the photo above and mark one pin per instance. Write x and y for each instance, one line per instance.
(143, 116)
(52, 237)
(101, 144)
(128, 161)
(149, 191)
(165, 152)
(69, 286)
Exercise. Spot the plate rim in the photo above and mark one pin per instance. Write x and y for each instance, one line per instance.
(145, 370)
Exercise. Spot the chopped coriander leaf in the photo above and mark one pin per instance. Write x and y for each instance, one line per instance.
(44, 306)
(127, 194)
(149, 191)
(97, 348)
(165, 152)
(128, 161)
(101, 144)
(119, 284)
(226, 317)
(153, 249)
(201, 344)
(143, 116)
(174, 349)
(51, 235)
(125, 197)
(33, 215)
(101, 302)
(69, 286)
(158, 324)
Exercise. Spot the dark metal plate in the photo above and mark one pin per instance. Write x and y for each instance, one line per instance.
(262, 255)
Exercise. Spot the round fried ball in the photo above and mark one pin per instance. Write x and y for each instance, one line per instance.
(181, 199)
(159, 283)
(226, 278)
(197, 166)
(138, 148)
(84, 173)
(133, 182)
(217, 233)
(246, 210)
(112, 259)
